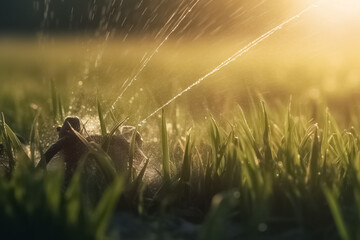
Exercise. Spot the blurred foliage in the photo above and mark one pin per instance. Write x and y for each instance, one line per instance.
(322, 75)
(262, 170)
(139, 16)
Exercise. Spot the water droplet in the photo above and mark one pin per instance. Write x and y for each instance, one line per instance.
(34, 106)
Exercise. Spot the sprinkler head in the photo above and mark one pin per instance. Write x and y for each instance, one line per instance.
(66, 130)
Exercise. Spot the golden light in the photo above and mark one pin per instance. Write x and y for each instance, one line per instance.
(338, 11)
(335, 22)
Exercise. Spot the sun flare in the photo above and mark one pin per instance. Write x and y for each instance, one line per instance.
(341, 11)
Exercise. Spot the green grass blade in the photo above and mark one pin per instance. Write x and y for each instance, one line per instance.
(165, 149)
(106, 206)
(215, 133)
(138, 180)
(245, 126)
(60, 108)
(314, 158)
(132, 153)
(54, 99)
(7, 145)
(101, 118)
(34, 136)
(53, 190)
(73, 199)
(107, 139)
(186, 167)
(14, 139)
(268, 159)
(335, 210)
(117, 125)
(102, 158)
(18, 148)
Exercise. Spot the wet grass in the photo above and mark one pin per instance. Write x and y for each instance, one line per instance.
(256, 168)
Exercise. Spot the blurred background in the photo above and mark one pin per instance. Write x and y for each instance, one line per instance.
(142, 16)
(95, 47)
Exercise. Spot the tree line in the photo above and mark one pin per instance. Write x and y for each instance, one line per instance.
(141, 16)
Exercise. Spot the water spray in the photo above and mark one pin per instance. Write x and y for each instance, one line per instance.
(231, 59)
(148, 59)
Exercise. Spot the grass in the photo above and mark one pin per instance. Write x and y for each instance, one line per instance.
(252, 168)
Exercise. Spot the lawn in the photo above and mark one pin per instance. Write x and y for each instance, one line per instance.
(266, 148)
